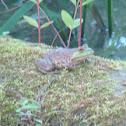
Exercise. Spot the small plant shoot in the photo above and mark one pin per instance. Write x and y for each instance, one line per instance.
(31, 21)
(74, 2)
(67, 19)
(46, 24)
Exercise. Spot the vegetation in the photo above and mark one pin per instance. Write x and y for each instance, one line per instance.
(84, 96)
(70, 22)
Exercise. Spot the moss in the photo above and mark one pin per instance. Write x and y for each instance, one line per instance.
(83, 96)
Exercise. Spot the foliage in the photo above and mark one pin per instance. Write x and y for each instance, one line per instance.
(69, 21)
(15, 17)
(13, 20)
(34, 23)
(109, 8)
(27, 109)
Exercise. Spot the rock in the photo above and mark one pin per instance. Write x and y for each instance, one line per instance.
(119, 76)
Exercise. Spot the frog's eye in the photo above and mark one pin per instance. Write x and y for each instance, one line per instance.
(80, 49)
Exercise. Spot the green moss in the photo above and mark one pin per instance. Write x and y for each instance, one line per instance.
(83, 96)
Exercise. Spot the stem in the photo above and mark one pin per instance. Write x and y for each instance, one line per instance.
(84, 10)
(76, 7)
(38, 21)
(53, 27)
(21, 96)
(41, 118)
(79, 41)
(4, 5)
(110, 17)
(29, 119)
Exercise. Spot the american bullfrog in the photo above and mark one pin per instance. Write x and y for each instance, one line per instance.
(63, 58)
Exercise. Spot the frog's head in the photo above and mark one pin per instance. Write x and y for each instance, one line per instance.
(82, 53)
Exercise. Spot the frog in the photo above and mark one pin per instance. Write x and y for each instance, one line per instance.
(69, 58)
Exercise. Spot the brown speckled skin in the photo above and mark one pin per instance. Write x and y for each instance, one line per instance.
(61, 57)
(58, 58)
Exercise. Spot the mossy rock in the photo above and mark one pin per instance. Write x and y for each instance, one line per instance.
(85, 96)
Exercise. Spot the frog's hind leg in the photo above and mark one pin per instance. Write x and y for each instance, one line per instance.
(44, 65)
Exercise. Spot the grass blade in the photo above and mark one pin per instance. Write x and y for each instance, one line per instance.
(109, 8)
(84, 19)
(15, 17)
(97, 17)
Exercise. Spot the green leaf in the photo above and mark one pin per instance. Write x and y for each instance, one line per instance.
(31, 100)
(23, 114)
(38, 125)
(34, 1)
(67, 19)
(31, 21)
(40, 1)
(86, 2)
(30, 106)
(6, 32)
(77, 22)
(15, 17)
(25, 102)
(74, 2)
(46, 24)
(38, 120)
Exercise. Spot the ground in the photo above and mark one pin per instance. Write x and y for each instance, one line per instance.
(88, 96)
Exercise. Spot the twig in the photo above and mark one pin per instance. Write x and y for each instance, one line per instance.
(5, 5)
(79, 41)
(38, 21)
(55, 38)
(43, 90)
(76, 7)
(53, 27)
(29, 119)
(41, 117)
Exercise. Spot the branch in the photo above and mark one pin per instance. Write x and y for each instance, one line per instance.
(53, 27)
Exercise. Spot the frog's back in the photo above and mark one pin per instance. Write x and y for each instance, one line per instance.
(60, 57)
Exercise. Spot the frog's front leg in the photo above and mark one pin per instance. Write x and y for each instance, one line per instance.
(44, 65)
(72, 67)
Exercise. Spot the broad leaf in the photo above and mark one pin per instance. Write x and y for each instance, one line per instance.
(77, 22)
(38, 120)
(74, 2)
(67, 19)
(46, 24)
(31, 21)
(15, 17)
(31, 100)
(86, 2)
(25, 102)
(30, 106)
